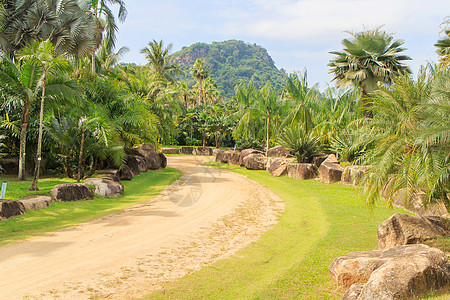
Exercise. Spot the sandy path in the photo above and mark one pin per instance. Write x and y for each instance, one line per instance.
(207, 215)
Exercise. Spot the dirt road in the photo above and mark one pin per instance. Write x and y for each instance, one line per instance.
(207, 215)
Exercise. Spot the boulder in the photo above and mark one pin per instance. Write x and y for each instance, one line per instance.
(319, 159)
(416, 203)
(203, 151)
(278, 151)
(277, 166)
(223, 156)
(10, 208)
(255, 161)
(163, 159)
(408, 275)
(187, 150)
(352, 174)
(302, 171)
(330, 171)
(170, 151)
(106, 188)
(133, 164)
(234, 159)
(125, 173)
(400, 272)
(108, 174)
(247, 152)
(403, 229)
(71, 192)
(36, 202)
(353, 292)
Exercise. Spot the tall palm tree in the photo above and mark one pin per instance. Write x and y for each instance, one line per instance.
(158, 60)
(43, 55)
(200, 73)
(370, 57)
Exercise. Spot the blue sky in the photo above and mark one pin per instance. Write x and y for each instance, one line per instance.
(298, 34)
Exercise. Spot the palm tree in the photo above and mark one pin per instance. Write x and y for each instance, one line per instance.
(443, 45)
(158, 60)
(43, 55)
(370, 57)
(200, 73)
(67, 24)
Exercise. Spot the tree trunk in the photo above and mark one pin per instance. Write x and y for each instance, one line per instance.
(80, 158)
(267, 133)
(23, 141)
(37, 166)
(367, 113)
(67, 167)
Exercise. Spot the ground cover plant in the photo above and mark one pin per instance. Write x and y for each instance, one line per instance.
(63, 214)
(321, 222)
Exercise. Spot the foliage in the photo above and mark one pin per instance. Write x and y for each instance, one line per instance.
(302, 143)
(230, 63)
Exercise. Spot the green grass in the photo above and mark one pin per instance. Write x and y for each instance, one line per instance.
(63, 214)
(18, 189)
(321, 222)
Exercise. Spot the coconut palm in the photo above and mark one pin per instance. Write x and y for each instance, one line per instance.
(370, 57)
(43, 55)
(158, 60)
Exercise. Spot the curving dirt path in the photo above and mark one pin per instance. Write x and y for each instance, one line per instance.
(206, 215)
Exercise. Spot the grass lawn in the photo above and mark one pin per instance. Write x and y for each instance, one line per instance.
(321, 222)
(63, 214)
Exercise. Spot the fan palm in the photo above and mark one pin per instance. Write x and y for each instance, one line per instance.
(370, 57)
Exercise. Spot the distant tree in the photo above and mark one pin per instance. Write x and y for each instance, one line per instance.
(370, 57)
(158, 60)
(200, 73)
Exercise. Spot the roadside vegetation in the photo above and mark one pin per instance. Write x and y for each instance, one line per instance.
(64, 214)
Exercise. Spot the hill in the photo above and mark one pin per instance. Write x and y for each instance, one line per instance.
(229, 63)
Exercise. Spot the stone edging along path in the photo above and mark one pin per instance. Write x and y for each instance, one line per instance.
(196, 221)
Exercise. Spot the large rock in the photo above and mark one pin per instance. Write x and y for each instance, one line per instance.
(330, 171)
(106, 188)
(125, 173)
(403, 229)
(203, 151)
(401, 272)
(36, 202)
(163, 159)
(223, 156)
(247, 152)
(170, 151)
(255, 161)
(319, 159)
(234, 159)
(10, 208)
(132, 162)
(108, 174)
(277, 166)
(72, 192)
(278, 151)
(408, 275)
(352, 174)
(187, 150)
(302, 171)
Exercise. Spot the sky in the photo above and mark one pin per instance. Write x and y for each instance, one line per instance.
(298, 34)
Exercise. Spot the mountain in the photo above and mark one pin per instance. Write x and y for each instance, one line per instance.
(230, 63)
